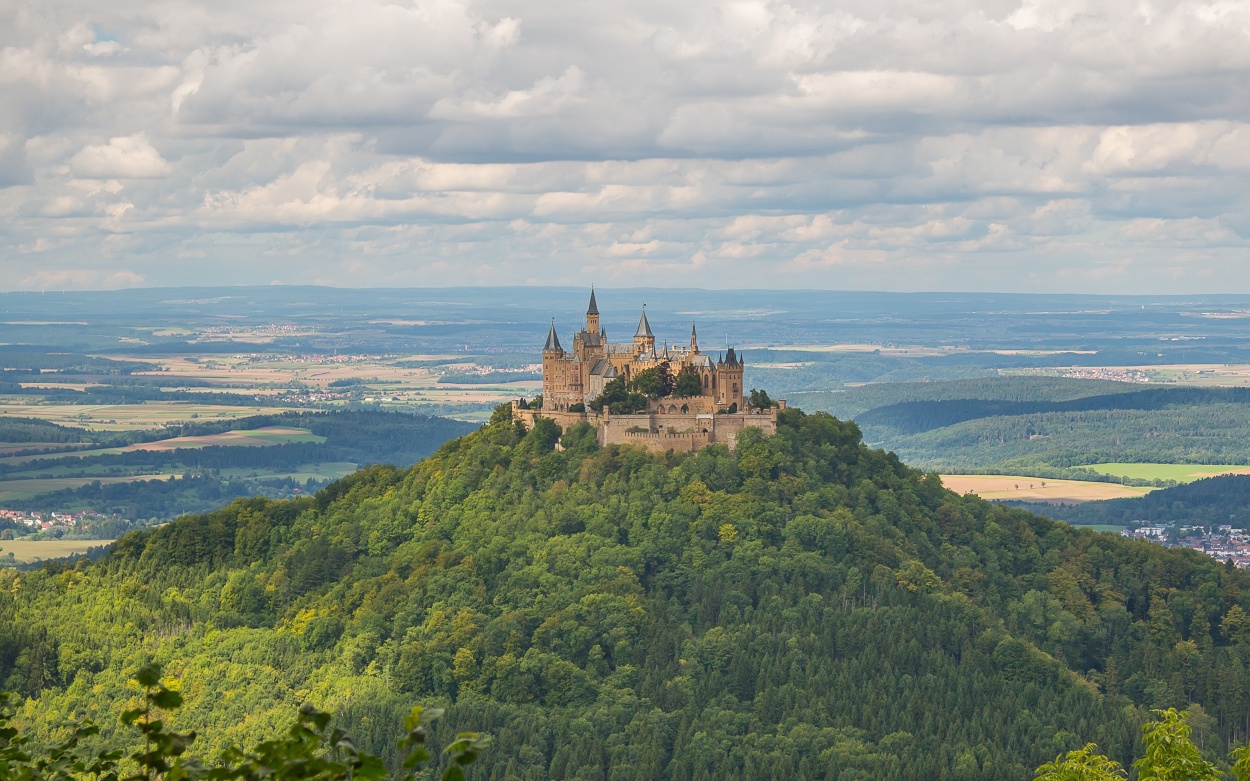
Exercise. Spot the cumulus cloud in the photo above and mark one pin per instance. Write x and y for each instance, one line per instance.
(1002, 144)
(124, 157)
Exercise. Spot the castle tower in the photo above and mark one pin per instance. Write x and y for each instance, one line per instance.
(694, 340)
(553, 380)
(592, 314)
(729, 380)
(644, 339)
(553, 343)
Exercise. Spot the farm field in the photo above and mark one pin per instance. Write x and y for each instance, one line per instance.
(1102, 527)
(392, 383)
(1033, 489)
(25, 551)
(130, 417)
(328, 470)
(1181, 473)
(916, 351)
(24, 489)
(6, 449)
(260, 437)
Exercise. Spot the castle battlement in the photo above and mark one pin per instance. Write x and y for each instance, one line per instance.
(692, 399)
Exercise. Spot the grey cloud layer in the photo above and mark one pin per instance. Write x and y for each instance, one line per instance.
(1043, 144)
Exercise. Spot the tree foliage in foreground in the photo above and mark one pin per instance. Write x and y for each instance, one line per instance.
(1169, 755)
(310, 750)
(618, 399)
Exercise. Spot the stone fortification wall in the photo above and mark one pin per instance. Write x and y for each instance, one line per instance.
(660, 432)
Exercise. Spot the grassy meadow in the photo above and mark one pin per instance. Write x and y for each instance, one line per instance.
(1102, 527)
(1181, 473)
(25, 488)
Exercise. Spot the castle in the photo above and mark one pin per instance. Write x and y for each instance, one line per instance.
(694, 400)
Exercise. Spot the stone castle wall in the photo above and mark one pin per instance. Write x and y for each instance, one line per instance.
(660, 432)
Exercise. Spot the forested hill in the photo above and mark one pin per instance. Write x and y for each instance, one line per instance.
(915, 417)
(803, 608)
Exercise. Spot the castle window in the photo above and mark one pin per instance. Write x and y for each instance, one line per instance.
(705, 382)
(672, 409)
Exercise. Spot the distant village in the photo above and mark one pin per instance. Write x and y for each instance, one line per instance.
(1222, 543)
(1112, 374)
(42, 521)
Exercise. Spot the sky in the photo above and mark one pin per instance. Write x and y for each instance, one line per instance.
(999, 145)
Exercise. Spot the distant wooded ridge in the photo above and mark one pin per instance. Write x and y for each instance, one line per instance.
(1046, 427)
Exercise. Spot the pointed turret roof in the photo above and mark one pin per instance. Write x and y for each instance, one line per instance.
(593, 309)
(730, 358)
(644, 328)
(553, 341)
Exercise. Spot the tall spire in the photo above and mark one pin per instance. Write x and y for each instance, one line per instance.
(644, 328)
(553, 341)
(694, 339)
(592, 314)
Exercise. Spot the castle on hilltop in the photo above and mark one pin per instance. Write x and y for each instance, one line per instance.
(668, 398)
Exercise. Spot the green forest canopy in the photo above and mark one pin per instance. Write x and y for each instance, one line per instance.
(802, 607)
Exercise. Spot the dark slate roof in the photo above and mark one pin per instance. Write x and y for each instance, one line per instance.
(553, 341)
(593, 309)
(644, 328)
(730, 358)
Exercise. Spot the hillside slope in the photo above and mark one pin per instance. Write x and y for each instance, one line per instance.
(803, 608)
(853, 402)
(1208, 502)
(1043, 426)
